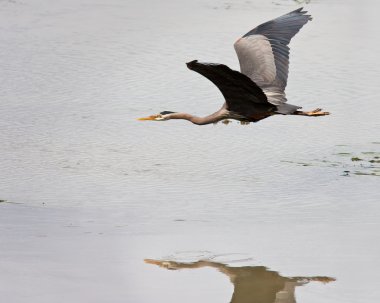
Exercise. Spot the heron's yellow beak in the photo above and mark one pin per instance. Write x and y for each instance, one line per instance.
(148, 118)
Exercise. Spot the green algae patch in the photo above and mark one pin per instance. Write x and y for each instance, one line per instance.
(356, 159)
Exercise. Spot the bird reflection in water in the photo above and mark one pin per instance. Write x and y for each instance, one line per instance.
(252, 284)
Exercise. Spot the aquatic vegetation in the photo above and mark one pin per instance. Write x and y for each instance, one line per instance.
(343, 154)
(302, 1)
(356, 159)
(299, 163)
(374, 161)
(359, 173)
(359, 163)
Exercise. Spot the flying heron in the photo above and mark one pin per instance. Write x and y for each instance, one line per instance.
(258, 90)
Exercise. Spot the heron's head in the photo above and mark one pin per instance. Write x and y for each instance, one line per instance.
(165, 264)
(162, 116)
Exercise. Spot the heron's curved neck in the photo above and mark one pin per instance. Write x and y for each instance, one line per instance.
(215, 117)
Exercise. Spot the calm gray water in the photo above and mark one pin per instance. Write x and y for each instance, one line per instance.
(89, 192)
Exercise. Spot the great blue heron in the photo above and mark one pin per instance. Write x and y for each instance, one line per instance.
(257, 92)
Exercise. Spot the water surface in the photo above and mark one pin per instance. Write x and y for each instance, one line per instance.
(88, 192)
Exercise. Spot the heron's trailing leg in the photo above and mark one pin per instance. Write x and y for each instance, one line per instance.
(314, 113)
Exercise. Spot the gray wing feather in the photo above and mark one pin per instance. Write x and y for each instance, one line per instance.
(264, 53)
(256, 59)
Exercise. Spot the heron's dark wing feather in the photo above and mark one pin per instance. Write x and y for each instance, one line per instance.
(264, 53)
(242, 95)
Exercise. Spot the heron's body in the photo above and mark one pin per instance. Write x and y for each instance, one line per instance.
(258, 90)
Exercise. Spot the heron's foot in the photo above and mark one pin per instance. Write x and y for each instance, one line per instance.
(317, 112)
(226, 121)
(244, 122)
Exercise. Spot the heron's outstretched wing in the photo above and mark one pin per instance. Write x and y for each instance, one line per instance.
(264, 53)
(242, 95)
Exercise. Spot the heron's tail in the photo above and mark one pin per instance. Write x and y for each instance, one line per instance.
(287, 109)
